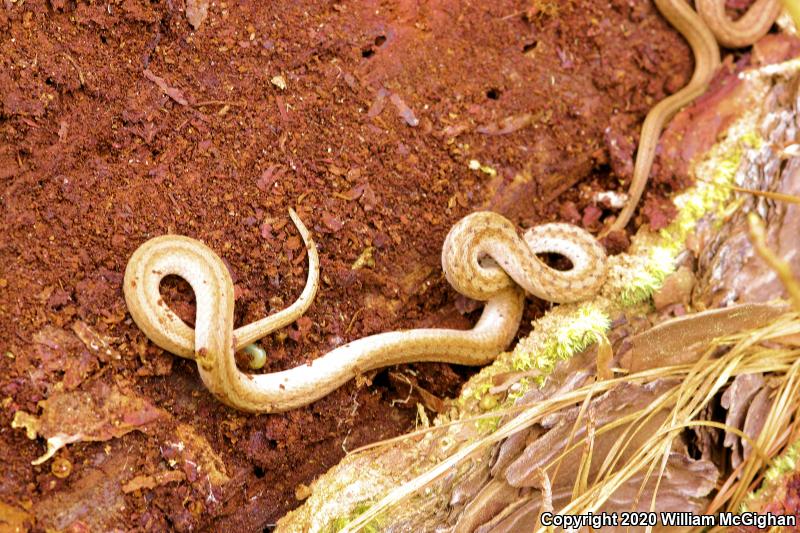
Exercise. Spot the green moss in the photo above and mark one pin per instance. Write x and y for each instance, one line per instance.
(692, 206)
(584, 327)
(781, 466)
(488, 425)
(752, 139)
(517, 392)
(481, 389)
(337, 524)
(705, 196)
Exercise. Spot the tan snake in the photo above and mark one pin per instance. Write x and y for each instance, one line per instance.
(702, 32)
(483, 257)
(749, 28)
(702, 35)
(706, 60)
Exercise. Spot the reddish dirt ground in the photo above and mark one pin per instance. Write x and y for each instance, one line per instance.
(119, 122)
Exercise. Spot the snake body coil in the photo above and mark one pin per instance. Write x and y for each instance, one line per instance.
(481, 238)
(749, 28)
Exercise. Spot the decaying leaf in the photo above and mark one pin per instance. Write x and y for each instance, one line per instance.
(94, 502)
(100, 414)
(96, 342)
(200, 459)
(431, 401)
(64, 355)
(150, 482)
(162, 84)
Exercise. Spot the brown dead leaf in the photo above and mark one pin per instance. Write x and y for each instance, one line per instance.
(96, 342)
(93, 502)
(199, 457)
(100, 414)
(62, 353)
(429, 400)
(151, 482)
(172, 92)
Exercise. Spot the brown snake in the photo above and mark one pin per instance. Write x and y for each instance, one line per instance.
(483, 257)
(749, 28)
(698, 31)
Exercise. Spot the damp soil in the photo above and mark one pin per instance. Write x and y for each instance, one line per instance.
(120, 122)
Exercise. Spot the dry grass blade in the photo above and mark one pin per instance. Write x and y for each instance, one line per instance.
(588, 450)
(772, 195)
(784, 407)
(605, 355)
(747, 352)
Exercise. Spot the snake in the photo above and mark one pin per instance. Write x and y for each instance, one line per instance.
(706, 60)
(703, 32)
(749, 28)
(483, 258)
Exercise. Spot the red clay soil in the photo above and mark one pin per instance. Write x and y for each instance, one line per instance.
(119, 122)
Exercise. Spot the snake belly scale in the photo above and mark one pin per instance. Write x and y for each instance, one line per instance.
(483, 257)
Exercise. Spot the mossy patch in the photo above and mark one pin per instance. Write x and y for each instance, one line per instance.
(583, 328)
(338, 523)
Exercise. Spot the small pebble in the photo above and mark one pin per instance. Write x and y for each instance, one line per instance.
(279, 82)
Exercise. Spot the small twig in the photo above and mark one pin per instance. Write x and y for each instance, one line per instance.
(220, 102)
(778, 196)
(75, 64)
